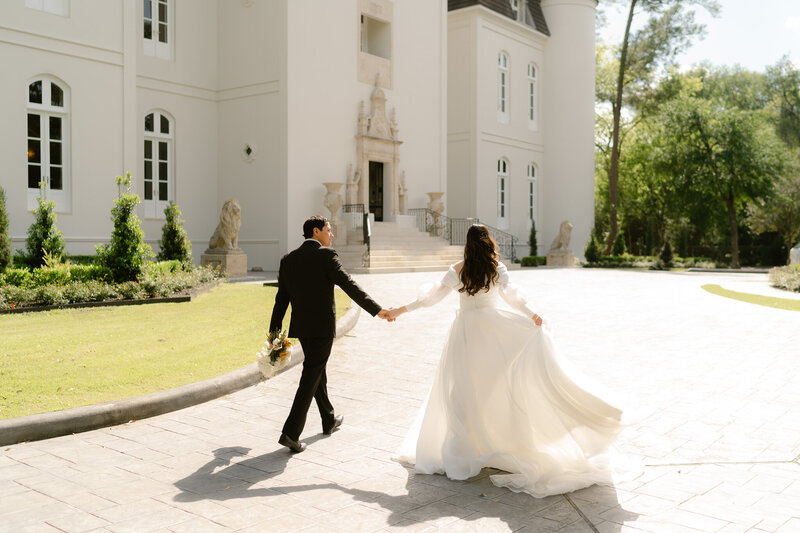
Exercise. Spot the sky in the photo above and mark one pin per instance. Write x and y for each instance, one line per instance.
(752, 33)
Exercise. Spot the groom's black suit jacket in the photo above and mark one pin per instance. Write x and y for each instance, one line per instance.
(306, 279)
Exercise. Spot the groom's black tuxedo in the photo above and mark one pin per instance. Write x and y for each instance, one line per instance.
(306, 279)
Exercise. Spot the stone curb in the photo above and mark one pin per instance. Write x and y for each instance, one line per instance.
(68, 421)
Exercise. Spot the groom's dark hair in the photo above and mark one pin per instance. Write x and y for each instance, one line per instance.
(316, 221)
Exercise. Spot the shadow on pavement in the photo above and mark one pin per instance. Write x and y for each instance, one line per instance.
(420, 502)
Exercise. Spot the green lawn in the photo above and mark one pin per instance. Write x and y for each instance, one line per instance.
(72, 357)
(769, 301)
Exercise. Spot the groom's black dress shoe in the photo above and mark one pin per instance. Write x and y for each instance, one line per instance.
(337, 421)
(292, 444)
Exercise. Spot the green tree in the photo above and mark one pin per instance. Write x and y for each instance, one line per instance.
(127, 252)
(43, 236)
(534, 246)
(784, 86)
(642, 53)
(174, 243)
(719, 151)
(592, 250)
(666, 255)
(780, 212)
(5, 240)
(619, 244)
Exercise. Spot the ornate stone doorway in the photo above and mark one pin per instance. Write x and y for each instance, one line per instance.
(378, 158)
(376, 190)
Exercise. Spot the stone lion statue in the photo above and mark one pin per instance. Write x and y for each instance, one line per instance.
(226, 236)
(562, 239)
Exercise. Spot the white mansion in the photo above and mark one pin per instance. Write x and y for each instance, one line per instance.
(490, 102)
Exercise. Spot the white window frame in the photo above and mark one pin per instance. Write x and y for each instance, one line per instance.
(45, 111)
(533, 97)
(153, 45)
(54, 7)
(532, 193)
(503, 183)
(503, 61)
(155, 205)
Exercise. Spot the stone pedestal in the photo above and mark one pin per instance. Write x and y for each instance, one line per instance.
(560, 258)
(233, 262)
(405, 221)
(794, 255)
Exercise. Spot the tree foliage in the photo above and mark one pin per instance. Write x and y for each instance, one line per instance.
(174, 243)
(534, 246)
(5, 239)
(641, 55)
(127, 252)
(44, 239)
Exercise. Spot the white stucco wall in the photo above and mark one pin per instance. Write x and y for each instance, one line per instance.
(569, 134)
(324, 94)
(252, 111)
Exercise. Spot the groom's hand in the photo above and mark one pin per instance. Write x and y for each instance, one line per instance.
(386, 315)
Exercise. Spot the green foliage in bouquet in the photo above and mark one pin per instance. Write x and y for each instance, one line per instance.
(5, 241)
(174, 242)
(127, 252)
(43, 236)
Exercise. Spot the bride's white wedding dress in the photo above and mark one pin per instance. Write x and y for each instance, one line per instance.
(503, 398)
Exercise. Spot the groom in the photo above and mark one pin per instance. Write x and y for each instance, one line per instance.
(306, 279)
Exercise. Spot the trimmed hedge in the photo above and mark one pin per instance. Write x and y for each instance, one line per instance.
(787, 277)
(646, 261)
(533, 260)
(20, 288)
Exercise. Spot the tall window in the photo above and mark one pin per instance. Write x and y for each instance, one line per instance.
(533, 115)
(158, 164)
(515, 8)
(48, 148)
(532, 192)
(56, 7)
(157, 28)
(502, 87)
(502, 193)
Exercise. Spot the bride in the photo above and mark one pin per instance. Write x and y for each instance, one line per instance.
(502, 397)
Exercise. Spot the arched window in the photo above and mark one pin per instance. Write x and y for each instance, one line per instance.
(158, 163)
(157, 28)
(533, 114)
(48, 141)
(502, 87)
(532, 192)
(502, 193)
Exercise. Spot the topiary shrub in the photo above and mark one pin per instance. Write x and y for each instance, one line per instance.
(127, 252)
(533, 260)
(6, 258)
(532, 239)
(592, 251)
(174, 242)
(666, 254)
(43, 236)
(619, 245)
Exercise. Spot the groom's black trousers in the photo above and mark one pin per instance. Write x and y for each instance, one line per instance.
(313, 384)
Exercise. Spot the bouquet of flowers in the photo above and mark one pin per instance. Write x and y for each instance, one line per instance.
(275, 354)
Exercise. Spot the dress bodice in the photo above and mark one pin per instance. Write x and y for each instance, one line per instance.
(502, 288)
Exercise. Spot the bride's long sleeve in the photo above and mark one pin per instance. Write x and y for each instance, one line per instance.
(513, 295)
(431, 294)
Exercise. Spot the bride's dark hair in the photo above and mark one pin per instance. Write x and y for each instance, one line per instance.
(480, 261)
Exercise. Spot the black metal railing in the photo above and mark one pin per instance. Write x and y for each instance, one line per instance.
(454, 230)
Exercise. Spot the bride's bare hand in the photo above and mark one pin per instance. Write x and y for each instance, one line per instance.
(537, 319)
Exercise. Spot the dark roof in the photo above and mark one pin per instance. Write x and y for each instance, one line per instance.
(533, 15)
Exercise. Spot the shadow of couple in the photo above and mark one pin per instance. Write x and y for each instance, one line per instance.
(423, 499)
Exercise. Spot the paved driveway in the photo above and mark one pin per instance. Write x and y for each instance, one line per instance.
(718, 378)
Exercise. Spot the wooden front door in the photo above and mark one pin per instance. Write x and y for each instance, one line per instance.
(376, 190)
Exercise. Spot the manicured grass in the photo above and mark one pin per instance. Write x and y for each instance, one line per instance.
(72, 357)
(769, 301)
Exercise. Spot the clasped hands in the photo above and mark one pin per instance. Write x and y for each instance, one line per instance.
(391, 314)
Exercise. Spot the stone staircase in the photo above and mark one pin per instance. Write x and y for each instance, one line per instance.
(399, 249)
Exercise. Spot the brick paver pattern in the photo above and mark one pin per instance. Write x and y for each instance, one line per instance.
(718, 380)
